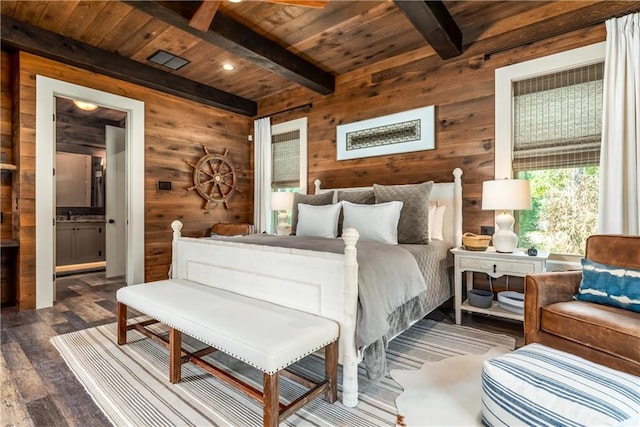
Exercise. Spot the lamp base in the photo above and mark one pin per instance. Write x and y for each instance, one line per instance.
(505, 240)
(283, 229)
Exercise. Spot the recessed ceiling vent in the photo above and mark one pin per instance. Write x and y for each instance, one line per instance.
(168, 60)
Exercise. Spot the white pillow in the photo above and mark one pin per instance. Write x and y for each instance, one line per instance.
(378, 223)
(318, 221)
(436, 221)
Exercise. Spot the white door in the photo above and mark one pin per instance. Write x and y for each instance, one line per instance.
(115, 207)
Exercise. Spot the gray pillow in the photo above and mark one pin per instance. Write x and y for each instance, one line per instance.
(365, 197)
(413, 227)
(308, 199)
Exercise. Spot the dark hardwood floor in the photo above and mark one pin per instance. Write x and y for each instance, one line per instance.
(38, 389)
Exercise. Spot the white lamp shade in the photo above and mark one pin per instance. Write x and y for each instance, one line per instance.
(506, 194)
(281, 201)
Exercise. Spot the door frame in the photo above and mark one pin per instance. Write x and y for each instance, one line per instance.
(46, 91)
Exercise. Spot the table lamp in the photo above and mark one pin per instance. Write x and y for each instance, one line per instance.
(282, 202)
(506, 195)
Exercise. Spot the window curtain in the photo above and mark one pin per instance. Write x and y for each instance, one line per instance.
(262, 175)
(619, 203)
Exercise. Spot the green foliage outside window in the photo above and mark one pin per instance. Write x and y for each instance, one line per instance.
(564, 209)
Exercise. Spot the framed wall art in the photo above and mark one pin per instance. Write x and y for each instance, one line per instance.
(411, 130)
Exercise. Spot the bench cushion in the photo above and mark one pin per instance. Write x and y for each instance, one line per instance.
(265, 335)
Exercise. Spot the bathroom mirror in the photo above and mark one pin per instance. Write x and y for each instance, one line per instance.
(80, 183)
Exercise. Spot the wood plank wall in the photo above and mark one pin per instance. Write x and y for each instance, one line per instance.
(6, 154)
(462, 89)
(175, 131)
(8, 254)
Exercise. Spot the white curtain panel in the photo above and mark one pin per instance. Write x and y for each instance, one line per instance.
(619, 205)
(262, 175)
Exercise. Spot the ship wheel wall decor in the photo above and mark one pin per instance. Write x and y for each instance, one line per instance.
(214, 178)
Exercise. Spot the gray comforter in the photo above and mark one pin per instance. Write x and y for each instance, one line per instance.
(397, 285)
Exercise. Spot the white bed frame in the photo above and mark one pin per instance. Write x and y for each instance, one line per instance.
(325, 284)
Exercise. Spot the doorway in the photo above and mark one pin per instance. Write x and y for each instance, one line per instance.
(90, 232)
(47, 89)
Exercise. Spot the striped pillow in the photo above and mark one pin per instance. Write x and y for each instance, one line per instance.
(610, 285)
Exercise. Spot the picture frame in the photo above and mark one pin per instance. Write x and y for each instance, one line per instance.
(404, 132)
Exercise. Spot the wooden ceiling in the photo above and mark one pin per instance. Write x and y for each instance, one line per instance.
(273, 47)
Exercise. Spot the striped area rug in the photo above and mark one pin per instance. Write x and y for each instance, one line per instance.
(130, 383)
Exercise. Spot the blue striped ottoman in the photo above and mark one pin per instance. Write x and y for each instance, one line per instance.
(540, 386)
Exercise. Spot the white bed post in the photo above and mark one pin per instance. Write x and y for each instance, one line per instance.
(457, 200)
(177, 227)
(350, 358)
(317, 184)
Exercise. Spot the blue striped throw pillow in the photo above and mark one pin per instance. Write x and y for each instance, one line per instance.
(609, 285)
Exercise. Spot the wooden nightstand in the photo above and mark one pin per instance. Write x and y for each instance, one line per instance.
(494, 264)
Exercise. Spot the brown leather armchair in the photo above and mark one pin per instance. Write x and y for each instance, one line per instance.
(600, 333)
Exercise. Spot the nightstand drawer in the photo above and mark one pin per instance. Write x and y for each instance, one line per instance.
(497, 267)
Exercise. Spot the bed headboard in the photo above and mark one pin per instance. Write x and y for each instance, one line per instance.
(444, 193)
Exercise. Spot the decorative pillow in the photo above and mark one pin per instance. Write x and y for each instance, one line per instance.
(413, 226)
(308, 199)
(436, 222)
(365, 197)
(378, 223)
(318, 221)
(610, 285)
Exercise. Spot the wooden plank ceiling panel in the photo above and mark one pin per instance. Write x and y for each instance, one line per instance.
(141, 38)
(56, 14)
(81, 18)
(383, 48)
(8, 7)
(518, 16)
(133, 22)
(105, 22)
(311, 22)
(170, 40)
(29, 11)
(381, 33)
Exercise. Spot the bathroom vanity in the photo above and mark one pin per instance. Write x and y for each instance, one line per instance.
(80, 240)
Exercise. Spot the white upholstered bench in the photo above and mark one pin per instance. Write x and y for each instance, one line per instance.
(265, 335)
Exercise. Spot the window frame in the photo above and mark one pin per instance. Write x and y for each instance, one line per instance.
(504, 78)
(301, 126)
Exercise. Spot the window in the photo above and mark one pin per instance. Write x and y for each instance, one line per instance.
(552, 138)
(288, 159)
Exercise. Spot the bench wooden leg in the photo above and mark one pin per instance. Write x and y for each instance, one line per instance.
(175, 356)
(122, 323)
(271, 400)
(331, 371)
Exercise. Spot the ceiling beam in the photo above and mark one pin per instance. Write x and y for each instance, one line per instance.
(435, 23)
(28, 38)
(242, 41)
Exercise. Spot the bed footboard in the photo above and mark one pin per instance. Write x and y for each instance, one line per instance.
(320, 283)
